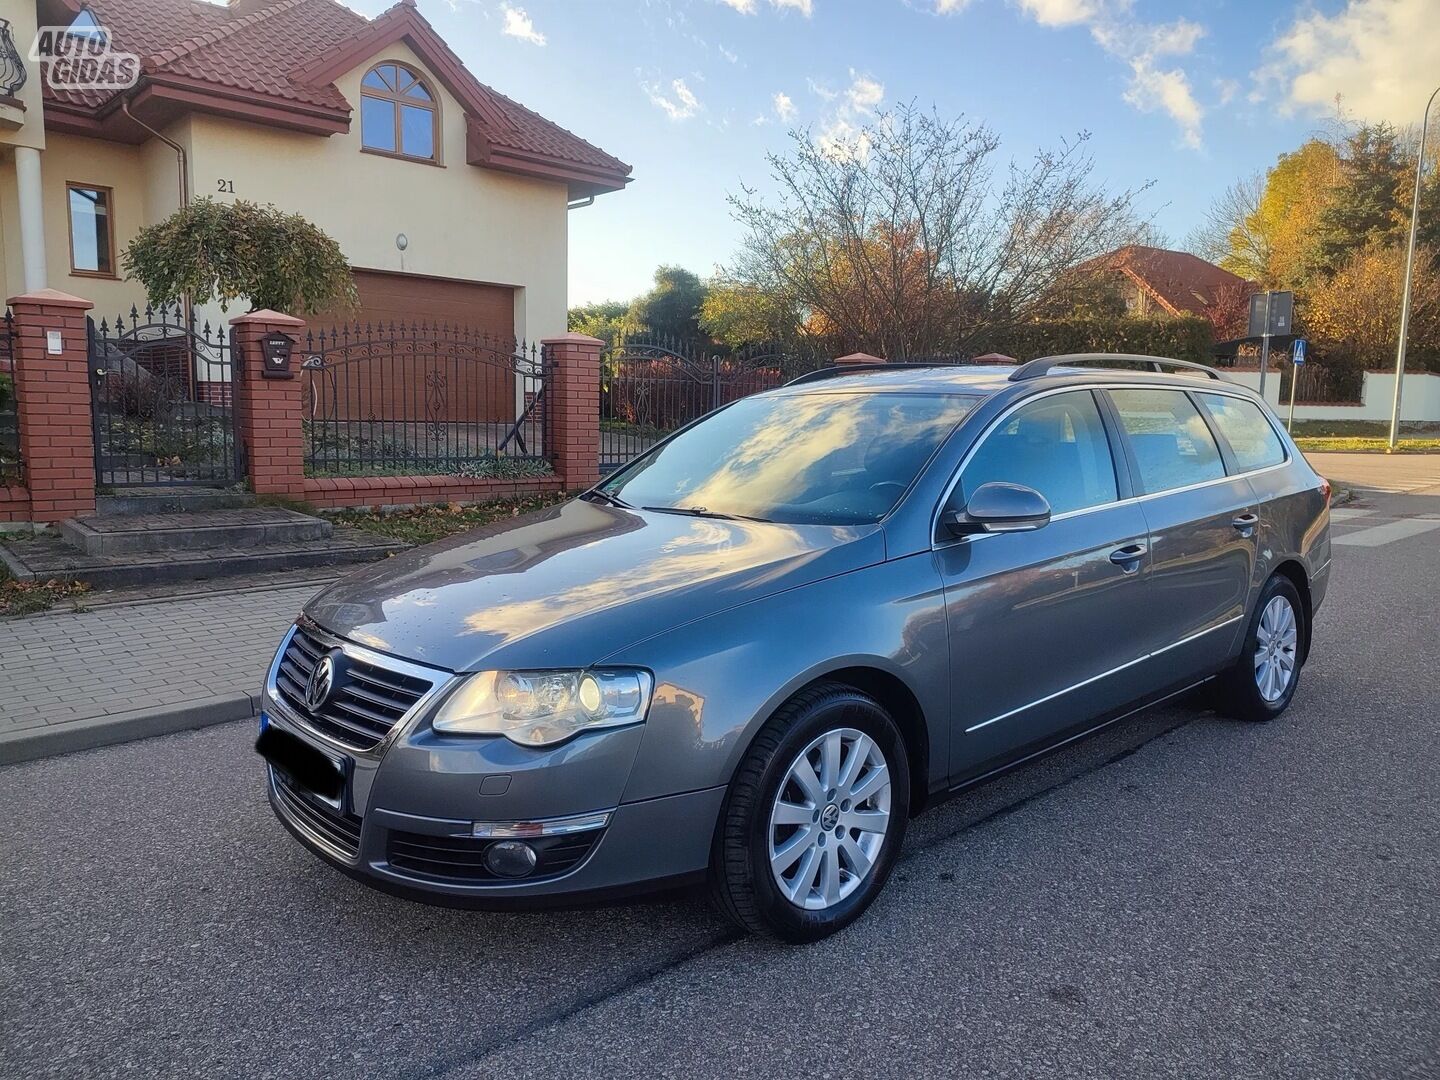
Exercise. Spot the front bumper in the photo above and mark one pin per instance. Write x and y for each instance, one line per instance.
(406, 819)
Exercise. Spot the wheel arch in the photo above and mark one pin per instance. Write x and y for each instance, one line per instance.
(1295, 571)
(895, 696)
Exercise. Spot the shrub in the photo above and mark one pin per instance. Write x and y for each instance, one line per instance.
(210, 250)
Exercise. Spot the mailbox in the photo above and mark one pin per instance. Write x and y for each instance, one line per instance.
(275, 349)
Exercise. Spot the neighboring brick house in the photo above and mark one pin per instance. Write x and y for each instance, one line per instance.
(1157, 283)
(448, 198)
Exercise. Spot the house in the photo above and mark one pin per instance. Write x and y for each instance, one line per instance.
(449, 198)
(1156, 283)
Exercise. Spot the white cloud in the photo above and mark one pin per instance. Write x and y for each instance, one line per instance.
(748, 7)
(1380, 56)
(784, 107)
(1151, 87)
(728, 55)
(680, 104)
(1061, 12)
(842, 140)
(820, 90)
(518, 25)
(864, 92)
(950, 7)
(1227, 89)
(843, 133)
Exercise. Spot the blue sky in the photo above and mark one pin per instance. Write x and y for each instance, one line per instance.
(1190, 94)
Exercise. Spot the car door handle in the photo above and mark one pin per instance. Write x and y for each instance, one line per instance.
(1128, 557)
(1245, 524)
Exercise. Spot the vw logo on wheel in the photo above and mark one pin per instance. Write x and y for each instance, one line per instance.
(322, 680)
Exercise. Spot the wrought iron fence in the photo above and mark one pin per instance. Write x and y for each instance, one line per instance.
(12, 469)
(416, 399)
(12, 65)
(1317, 384)
(652, 385)
(163, 393)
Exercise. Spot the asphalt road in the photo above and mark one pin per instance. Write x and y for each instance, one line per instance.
(1178, 896)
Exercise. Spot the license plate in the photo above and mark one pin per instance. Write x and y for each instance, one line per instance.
(302, 763)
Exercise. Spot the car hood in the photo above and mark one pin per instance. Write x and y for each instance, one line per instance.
(572, 584)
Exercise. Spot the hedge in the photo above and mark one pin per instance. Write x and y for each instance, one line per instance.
(1187, 338)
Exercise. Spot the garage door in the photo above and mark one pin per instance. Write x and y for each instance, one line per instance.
(397, 298)
(450, 365)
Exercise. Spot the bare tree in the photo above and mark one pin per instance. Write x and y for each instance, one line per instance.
(1234, 232)
(901, 239)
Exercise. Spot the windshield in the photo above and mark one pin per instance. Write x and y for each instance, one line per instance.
(808, 459)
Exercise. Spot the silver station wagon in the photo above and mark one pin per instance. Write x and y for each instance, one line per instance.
(751, 655)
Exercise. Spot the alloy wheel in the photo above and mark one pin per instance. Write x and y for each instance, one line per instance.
(829, 819)
(1275, 649)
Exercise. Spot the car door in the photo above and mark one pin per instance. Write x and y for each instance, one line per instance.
(1202, 521)
(1042, 624)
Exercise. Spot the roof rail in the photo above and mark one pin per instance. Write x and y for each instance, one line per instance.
(836, 370)
(1036, 368)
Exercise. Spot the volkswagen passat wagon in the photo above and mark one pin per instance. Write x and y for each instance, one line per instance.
(753, 653)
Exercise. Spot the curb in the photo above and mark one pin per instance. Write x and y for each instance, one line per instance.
(97, 731)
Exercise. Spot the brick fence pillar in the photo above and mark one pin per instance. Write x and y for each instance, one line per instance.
(269, 410)
(572, 413)
(858, 358)
(52, 400)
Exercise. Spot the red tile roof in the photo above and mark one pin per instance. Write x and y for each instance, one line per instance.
(1181, 282)
(263, 51)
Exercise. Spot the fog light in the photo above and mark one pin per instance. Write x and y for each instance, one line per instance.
(510, 858)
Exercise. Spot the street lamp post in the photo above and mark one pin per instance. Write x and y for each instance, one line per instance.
(1409, 273)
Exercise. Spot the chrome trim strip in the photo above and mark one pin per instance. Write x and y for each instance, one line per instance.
(526, 830)
(1243, 394)
(1104, 674)
(316, 839)
(439, 679)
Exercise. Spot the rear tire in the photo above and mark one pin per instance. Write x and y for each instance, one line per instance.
(1262, 682)
(814, 818)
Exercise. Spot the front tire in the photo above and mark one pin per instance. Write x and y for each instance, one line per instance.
(1262, 682)
(814, 818)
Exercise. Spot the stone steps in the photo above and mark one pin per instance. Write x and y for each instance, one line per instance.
(173, 500)
(42, 558)
(231, 529)
(164, 536)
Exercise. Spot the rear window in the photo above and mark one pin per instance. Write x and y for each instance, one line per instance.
(1172, 444)
(1245, 428)
(801, 459)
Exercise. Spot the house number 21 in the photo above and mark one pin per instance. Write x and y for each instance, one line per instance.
(227, 186)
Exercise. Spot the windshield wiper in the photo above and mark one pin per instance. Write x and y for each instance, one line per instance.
(611, 499)
(700, 511)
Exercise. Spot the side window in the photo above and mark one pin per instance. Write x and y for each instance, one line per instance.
(1057, 446)
(1246, 430)
(1172, 444)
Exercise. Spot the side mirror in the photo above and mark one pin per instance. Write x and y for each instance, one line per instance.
(997, 507)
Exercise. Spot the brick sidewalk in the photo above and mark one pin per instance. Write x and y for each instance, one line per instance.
(69, 681)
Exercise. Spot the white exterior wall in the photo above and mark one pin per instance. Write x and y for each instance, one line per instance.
(1419, 402)
(461, 221)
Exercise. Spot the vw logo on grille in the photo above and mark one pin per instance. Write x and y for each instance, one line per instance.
(322, 680)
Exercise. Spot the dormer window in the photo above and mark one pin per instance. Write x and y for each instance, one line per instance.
(399, 114)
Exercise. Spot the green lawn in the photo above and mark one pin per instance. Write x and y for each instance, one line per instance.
(429, 523)
(1365, 435)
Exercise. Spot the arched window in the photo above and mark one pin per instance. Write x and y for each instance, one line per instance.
(398, 113)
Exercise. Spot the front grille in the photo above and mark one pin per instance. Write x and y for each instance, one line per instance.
(462, 858)
(366, 701)
(339, 830)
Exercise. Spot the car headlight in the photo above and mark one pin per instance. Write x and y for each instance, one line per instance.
(540, 708)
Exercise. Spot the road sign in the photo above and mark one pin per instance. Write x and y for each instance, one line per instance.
(1297, 352)
(1281, 308)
